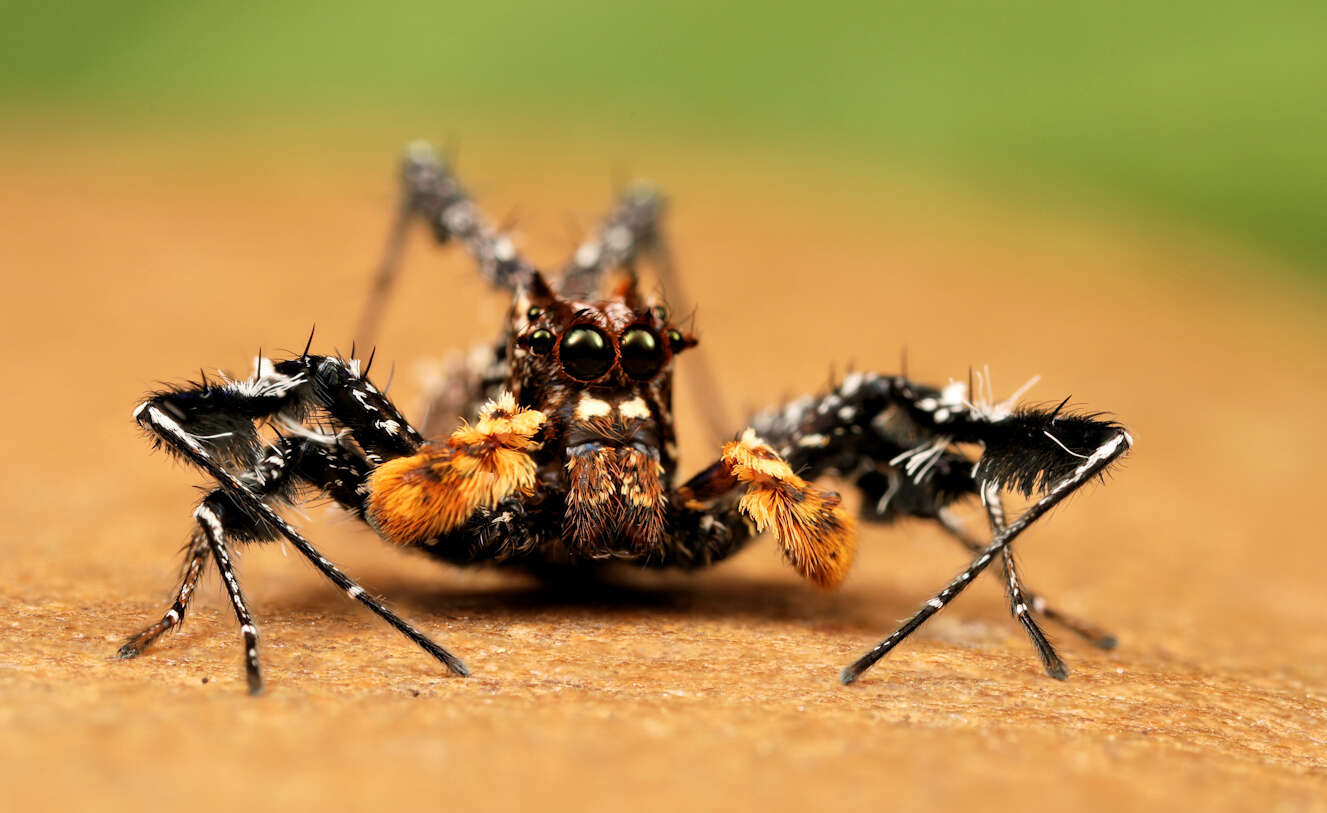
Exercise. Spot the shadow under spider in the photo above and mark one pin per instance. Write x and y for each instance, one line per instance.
(618, 592)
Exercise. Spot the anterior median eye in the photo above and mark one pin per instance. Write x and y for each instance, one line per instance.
(642, 353)
(586, 353)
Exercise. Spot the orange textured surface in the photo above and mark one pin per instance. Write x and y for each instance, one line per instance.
(128, 265)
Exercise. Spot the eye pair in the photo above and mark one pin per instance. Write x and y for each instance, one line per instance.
(587, 353)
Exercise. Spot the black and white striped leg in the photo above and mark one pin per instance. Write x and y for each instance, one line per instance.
(340, 387)
(270, 478)
(1109, 451)
(1021, 601)
(165, 427)
(1018, 600)
(628, 232)
(431, 191)
(1033, 602)
(1018, 607)
(1036, 603)
(216, 540)
(197, 554)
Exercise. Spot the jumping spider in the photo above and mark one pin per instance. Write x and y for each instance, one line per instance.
(570, 457)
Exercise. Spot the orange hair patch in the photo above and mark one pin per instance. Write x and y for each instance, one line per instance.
(816, 534)
(415, 499)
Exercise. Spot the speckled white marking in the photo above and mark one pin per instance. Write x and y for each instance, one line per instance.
(851, 383)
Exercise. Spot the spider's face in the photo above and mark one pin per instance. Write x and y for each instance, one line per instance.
(614, 350)
(602, 374)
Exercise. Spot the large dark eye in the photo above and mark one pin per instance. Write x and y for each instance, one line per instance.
(642, 354)
(541, 341)
(586, 353)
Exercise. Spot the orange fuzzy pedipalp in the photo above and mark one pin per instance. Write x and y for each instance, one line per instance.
(415, 499)
(817, 536)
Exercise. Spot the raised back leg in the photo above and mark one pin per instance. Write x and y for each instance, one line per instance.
(1116, 443)
(431, 192)
(215, 428)
(897, 441)
(631, 231)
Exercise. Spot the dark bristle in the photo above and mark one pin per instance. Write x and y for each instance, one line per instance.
(1055, 412)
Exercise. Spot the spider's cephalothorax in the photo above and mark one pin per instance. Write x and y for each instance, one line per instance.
(565, 453)
(602, 374)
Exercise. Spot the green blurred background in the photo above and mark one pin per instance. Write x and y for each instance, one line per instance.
(1208, 115)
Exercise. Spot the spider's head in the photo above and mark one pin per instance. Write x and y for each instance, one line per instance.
(602, 374)
(615, 349)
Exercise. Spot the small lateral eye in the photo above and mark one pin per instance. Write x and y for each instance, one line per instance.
(676, 341)
(533, 313)
(642, 354)
(541, 341)
(585, 353)
(660, 313)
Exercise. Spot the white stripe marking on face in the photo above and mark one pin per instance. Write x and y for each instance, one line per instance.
(591, 407)
(635, 408)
